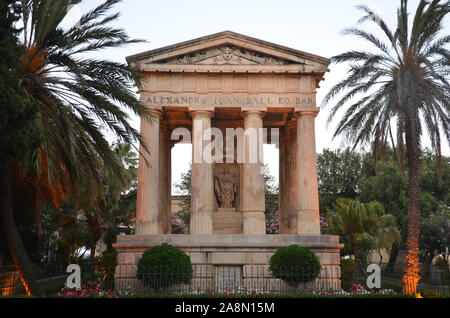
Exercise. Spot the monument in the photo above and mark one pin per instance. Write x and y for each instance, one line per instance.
(247, 92)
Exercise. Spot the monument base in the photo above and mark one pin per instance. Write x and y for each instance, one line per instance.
(231, 261)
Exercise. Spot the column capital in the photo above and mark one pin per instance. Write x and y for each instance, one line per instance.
(246, 113)
(201, 113)
(307, 112)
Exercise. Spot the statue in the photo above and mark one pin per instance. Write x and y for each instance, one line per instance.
(225, 188)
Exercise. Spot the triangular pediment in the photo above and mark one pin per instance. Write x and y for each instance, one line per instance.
(227, 48)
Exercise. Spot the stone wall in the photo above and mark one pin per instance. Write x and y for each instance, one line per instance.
(231, 261)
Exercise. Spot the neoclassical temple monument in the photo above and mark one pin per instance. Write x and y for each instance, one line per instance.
(237, 85)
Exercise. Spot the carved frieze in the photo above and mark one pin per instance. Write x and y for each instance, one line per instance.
(226, 55)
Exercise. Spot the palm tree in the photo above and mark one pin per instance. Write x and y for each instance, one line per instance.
(104, 214)
(403, 85)
(386, 235)
(78, 95)
(363, 227)
(17, 115)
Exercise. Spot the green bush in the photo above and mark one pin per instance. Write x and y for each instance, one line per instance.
(294, 265)
(164, 266)
(347, 273)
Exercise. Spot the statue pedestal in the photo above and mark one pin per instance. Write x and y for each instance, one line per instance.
(227, 221)
(246, 256)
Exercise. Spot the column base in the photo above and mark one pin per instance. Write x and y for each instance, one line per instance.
(254, 222)
(146, 228)
(201, 223)
(308, 222)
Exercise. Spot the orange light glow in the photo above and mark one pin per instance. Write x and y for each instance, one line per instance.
(8, 290)
(411, 277)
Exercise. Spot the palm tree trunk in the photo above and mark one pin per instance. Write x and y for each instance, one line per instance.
(17, 250)
(411, 274)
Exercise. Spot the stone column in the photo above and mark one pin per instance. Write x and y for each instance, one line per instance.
(202, 185)
(282, 182)
(307, 195)
(253, 175)
(288, 192)
(164, 226)
(147, 205)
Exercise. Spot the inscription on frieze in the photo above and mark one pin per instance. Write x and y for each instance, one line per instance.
(187, 100)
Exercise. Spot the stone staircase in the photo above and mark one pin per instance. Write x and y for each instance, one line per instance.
(227, 221)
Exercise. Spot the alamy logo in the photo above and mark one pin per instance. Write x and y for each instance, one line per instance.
(374, 279)
(74, 279)
(238, 145)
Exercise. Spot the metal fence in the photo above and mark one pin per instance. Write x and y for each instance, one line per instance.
(217, 280)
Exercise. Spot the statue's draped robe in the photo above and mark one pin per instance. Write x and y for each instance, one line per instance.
(225, 189)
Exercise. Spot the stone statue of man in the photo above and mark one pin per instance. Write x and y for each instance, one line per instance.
(225, 188)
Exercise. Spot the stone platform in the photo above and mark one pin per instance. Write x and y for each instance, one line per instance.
(243, 258)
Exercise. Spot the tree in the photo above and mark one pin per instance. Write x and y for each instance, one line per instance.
(362, 227)
(18, 134)
(79, 96)
(72, 229)
(404, 85)
(388, 188)
(435, 235)
(115, 203)
(184, 189)
(270, 195)
(338, 173)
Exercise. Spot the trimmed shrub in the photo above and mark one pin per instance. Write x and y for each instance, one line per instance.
(347, 273)
(294, 265)
(164, 266)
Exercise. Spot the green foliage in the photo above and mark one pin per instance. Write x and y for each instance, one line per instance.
(80, 97)
(388, 188)
(184, 189)
(164, 266)
(270, 194)
(17, 114)
(362, 227)
(347, 273)
(338, 174)
(72, 232)
(401, 84)
(429, 179)
(108, 262)
(435, 234)
(295, 264)
(61, 252)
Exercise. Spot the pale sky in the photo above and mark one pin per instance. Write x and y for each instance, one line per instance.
(310, 26)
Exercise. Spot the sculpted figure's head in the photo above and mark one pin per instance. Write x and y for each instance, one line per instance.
(227, 53)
